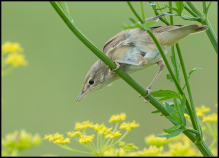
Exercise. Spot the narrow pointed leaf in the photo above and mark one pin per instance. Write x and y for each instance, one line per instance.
(169, 77)
(172, 129)
(176, 66)
(177, 117)
(171, 135)
(169, 108)
(172, 119)
(165, 94)
(193, 70)
(185, 17)
(179, 6)
(155, 112)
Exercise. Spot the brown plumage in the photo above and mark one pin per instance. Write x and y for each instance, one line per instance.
(134, 50)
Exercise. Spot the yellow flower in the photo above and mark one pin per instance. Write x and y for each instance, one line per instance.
(96, 126)
(158, 141)
(113, 135)
(59, 141)
(83, 125)
(11, 47)
(66, 140)
(210, 118)
(152, 151)
(179, 149)
(199, 113)
(56, 137)
(16, 59)
(128, 126)
(48, 136)
(202, 110)
(86, 139)
(117, 118)
(74, 134)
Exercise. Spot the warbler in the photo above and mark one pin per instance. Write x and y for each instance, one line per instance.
(133, 50)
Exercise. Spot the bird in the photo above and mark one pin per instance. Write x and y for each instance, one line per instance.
(133, 50)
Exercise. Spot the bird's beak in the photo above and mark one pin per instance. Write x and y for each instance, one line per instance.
(80, 97)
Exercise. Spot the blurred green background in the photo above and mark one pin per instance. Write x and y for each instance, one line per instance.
(40, 98)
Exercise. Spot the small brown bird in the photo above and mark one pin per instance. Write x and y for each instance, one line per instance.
(133, 50)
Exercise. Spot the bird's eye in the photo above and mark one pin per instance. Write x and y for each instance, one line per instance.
(91, 81)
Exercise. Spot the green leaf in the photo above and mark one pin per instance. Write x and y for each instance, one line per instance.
(155, 112)
(172, 8)
(166, 94)
(147, 25)
(152, 4)
(169, 108)
(182, 109)
(185, 17)
(171, 135)
(207, 8)
(136, 25)
(179, 6)
(132, 20)
(172, 119)
(176, 66)
(172, 129)
(177, 117)
(193, 70)
(169, 77)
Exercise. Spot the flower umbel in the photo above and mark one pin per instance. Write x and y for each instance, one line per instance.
(105, 136)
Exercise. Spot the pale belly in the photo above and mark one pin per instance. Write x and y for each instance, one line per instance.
(152, 58)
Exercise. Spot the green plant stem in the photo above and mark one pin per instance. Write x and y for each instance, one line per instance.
(210, 32)
(161, 10)
(197, 125)
(211, 35)
(68, 148)
(190, 11)
(112, 65)
(162, 19)
(142, 10)
(171, 17)
(174, 78)
(194, 8)
(213, 143)
(204, 8)
(136, 14)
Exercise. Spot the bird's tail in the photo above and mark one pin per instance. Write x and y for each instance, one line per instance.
(174, 33)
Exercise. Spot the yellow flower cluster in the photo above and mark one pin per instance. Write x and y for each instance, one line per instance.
(20, 141)
(158, 141)
(117, 118)
(83, 125)
(113, 135)
(152, 151)
(210, 118)
(179, 149)
(74, 134)
(57, 138)
(86, 139)
(202, 110)
(128, 126)
(9, 47)
(15, 59)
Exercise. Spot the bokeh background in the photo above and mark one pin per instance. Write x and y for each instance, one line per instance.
(40, 98)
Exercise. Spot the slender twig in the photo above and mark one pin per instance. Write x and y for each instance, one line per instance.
(142, 10)
(136, 14)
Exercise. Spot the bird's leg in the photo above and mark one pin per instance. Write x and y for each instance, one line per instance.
(161, 65)
(141, 62)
